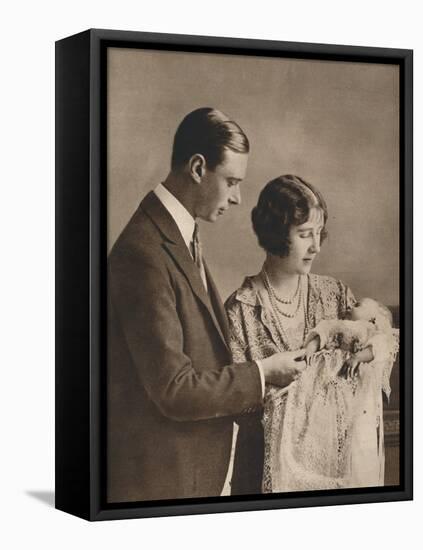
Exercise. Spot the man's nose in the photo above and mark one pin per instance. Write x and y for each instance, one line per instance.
(235, 197)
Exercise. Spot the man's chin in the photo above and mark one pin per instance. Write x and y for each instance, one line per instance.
(209, 218)
(213, 217)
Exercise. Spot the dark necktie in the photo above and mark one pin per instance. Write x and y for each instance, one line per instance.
(198, 255)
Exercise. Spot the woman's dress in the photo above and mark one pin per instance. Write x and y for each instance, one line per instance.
(323, 431)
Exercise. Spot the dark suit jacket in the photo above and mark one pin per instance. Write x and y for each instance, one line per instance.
(172, 392)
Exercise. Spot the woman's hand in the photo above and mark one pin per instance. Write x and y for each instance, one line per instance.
(350, 368)
(284, 367)
(311, 348)
(351, 365)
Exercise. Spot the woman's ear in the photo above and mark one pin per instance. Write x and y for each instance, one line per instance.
(197, 167)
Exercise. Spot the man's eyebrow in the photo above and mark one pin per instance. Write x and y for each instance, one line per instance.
(234, 179)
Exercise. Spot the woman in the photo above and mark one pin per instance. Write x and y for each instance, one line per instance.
(272, 312)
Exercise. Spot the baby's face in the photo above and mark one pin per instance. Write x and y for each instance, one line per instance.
(365, 310)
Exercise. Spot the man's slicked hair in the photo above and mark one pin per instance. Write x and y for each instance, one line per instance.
(207, 132)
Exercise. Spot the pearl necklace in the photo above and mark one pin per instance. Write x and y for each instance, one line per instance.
(274, 298)
(278, 298)
(277, 310)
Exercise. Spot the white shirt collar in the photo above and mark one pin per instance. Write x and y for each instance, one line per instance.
(179, 213)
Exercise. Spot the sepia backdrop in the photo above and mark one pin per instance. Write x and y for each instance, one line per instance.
(336, 124)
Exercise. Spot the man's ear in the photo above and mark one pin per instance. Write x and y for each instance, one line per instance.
(197, 167)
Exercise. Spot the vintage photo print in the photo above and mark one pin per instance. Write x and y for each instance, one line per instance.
(253, 222)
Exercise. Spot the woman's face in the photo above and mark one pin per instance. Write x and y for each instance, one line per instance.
(304, 244)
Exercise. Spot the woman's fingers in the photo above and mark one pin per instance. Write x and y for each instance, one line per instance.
(352, 369)
(343, 371)
(299, 354)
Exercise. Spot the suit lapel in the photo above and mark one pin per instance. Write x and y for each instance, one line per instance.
(217, 305)
(176, 247)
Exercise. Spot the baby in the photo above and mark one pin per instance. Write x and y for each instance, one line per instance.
(366, 322)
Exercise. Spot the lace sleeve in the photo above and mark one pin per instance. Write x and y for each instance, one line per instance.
(329, 298)
(385, 349)
(237, 339)
(347, 301)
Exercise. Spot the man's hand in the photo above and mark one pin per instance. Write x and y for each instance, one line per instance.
(284, 367)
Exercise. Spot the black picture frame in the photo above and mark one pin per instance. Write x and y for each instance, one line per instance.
(81, 259)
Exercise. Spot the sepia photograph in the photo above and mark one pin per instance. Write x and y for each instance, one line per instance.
(208, 304)
(208, 269)
(253, 275)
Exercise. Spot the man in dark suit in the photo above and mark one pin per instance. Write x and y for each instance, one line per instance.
(173, 393)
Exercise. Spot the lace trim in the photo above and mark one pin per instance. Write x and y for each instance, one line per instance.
(314, 448)
(385, 350)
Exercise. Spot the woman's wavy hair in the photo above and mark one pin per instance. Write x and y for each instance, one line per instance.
(284, 202)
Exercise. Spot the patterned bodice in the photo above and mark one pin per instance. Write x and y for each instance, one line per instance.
(254, 329)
